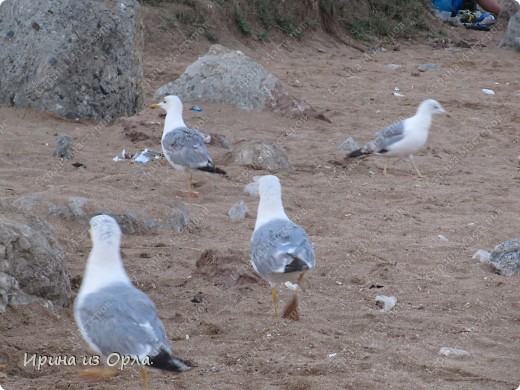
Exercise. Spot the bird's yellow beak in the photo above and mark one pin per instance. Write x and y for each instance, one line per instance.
(155, 105)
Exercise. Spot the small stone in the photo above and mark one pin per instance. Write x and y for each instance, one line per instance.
(425, 67)
(482, 256)
(197, 298)
(251, 189)
(453, 352)
(487, 91)
(179, 218)
(64, 148)
(349, 145)
(239, 210)
(263, 155)
(24, 243)
(505, 258)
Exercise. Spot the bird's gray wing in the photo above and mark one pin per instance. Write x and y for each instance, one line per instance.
(386, 137)
(281, 246)
(122, 319)
(185, 147)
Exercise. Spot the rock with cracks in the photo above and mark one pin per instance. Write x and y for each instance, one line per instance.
(76, 59)
(32, 264)
(505, 258)
(230, 77)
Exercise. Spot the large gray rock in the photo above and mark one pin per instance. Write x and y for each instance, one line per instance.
(78, 59)
(512, 37)
(505, 258)
(32, 263)
(230, 77)
(263, 155)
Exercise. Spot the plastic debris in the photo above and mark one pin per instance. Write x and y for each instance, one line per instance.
(453, 352)
(196, 108)
(388, 302)
(145, 156)
(393, 66)
(488, 91)
(442, 238)
(397, 92)
(482, 256)
(331, 355)
(118, 158)
(291, 286)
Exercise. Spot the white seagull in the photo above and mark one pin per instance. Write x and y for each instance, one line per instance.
(403, 138)
(280, 249)
(184, 148)
(113, 316)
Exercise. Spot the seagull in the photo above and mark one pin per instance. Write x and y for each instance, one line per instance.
(403, 138)
(184, 148)
(280, 249)
(113, 316)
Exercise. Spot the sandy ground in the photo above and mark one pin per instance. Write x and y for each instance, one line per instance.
(366, 229)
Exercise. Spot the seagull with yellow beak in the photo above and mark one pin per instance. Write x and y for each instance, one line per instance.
(184, 148)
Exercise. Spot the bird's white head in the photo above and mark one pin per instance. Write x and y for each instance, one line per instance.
(104, 231)
(269, 186)
(270, 206)
(173, 107)
(171, 104)
(430, 106)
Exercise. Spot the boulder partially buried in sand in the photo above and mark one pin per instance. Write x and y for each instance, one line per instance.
(32, 264)
(262, 155)
(230, 77)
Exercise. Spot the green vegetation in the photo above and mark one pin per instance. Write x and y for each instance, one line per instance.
(369, 21)
(211, 36)
(241, 20)
(384, 19)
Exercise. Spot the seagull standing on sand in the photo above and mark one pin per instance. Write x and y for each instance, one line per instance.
(280, 249)
(183, 147)
(403, 138)
(112, 315)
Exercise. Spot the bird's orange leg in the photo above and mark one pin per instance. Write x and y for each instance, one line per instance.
(274, 294)
(416, 170)
(191, 194)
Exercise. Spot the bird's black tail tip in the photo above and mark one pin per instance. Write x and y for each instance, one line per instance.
(357, 153)
(212, 169)
(168, 362)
